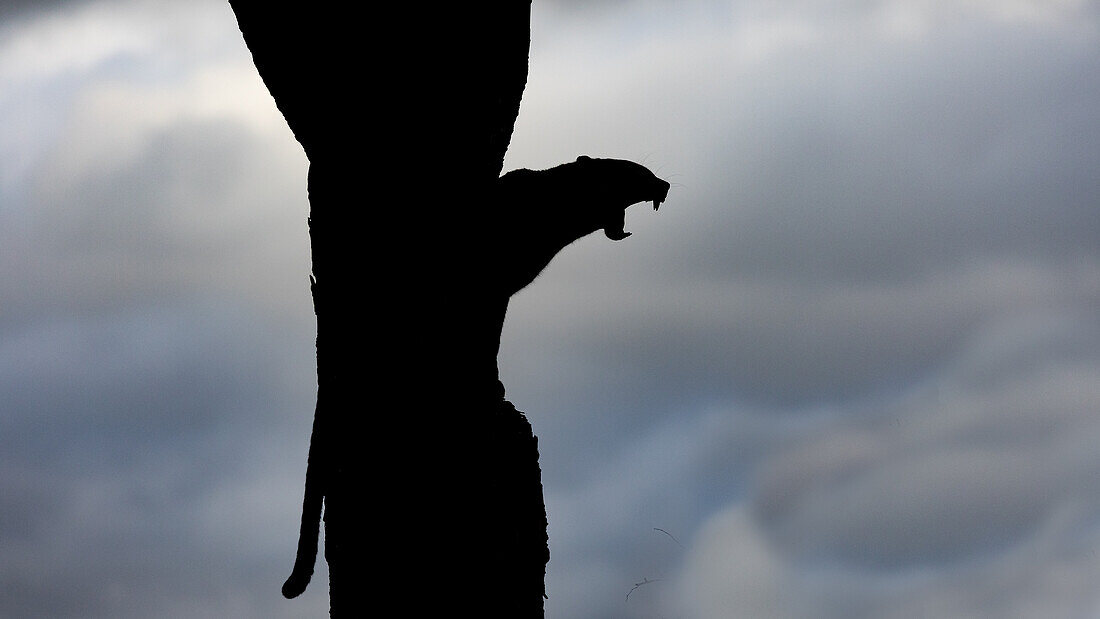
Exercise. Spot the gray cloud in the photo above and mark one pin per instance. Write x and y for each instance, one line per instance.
(31, 8)
(850, 364)
(826, 150)
(156, 358)
(855, 205)
(959, 481)
(123, 443)
(868, 198)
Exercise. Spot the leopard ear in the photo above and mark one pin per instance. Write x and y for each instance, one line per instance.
(583, 158)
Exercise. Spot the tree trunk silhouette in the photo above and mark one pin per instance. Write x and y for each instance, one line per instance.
(432, 489)
(430, 479)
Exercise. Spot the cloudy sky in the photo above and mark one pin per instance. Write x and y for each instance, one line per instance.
(852, 368)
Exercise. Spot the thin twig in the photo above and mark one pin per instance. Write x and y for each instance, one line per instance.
(670, 535)
(645, 581)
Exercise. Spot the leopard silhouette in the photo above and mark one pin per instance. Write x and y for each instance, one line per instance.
(531, 216)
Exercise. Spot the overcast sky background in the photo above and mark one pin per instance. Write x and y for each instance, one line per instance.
(853, 365)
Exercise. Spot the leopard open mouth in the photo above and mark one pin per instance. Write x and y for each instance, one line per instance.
(614, 230)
